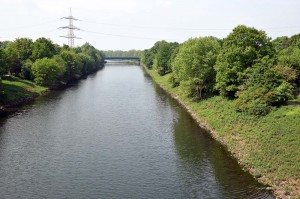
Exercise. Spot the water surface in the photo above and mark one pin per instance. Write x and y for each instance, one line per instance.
(115, 135)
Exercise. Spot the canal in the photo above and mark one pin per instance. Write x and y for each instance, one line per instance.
(115, 135)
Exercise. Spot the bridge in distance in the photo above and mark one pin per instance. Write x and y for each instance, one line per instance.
(123, 59)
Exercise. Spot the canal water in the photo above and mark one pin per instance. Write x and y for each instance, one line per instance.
(114, 135)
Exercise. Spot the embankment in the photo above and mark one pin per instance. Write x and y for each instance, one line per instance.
(268, 147)
(17, 92)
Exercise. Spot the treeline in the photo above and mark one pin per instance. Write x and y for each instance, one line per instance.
(247, 66)
(120, 53)
(46, 63)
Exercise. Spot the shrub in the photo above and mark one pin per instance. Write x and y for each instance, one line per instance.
(254, 101)
(47, 72)
(174, 81)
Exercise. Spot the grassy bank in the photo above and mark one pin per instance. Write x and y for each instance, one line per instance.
(18, 91)
(269, 146)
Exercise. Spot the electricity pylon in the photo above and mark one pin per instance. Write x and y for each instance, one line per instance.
(71, 29)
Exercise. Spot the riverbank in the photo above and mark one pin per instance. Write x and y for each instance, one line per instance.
(267, 147)
(18, 92)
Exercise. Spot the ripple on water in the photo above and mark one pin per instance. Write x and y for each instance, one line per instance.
(115, 135)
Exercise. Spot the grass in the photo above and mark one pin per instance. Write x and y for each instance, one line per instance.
(297, 99)
(16, 90)
(269, 146)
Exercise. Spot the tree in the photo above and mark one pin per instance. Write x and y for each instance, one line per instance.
(280, 43)
(17, 52)
(73, 65)
(194, 63)
(87, 63)
(4, 44)
(3, 70)
(120, 53)
(47, 72)
(98, 56)
(267, 85)
(242, 48)
(163, 55)
(3, 67)
(43, 47)
(147, 58)
(291, 57)
(295, 41)
(26, 69)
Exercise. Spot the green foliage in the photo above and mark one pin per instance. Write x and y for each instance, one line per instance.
(47, 72)
(280, 43)
(254, 101)
(194, 63)
(1, 89)
(43, 47)
(12, 61)
(174, 80)
(3, 44)
(98, 56)
(243, 47)
(164, 51)
(87, 63)
(121, 53)
(158, 56)
(15, 89)
(26, 70)
(73, 65)
(23, 46)
(147, 58)
(259, 73)
(268, 145)
(294, 41)
(291, 57)
(3, 66)
(17, 52)
(46, 63)
(288, 73)
(265, 87)
(173, 57)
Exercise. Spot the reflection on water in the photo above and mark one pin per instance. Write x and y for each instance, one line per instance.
(114, 135)
(205, 163)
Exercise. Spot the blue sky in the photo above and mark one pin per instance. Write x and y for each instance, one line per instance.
(138, 24)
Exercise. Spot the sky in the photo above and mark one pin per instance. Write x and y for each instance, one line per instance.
(138, 24)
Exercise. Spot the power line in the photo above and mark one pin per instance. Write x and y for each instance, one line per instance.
(29, 34)
(30, 26)
(152, 27)
(179, 28)
(118, 35)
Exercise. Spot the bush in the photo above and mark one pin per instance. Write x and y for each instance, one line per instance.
(47, 72)
(1, 88)
(174, 81)
(254, 101)
(259, 99)
(282, 93)
(160, 71)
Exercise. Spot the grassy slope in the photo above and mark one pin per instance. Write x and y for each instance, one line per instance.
(297, 99)
(17, 90)
(269, 147)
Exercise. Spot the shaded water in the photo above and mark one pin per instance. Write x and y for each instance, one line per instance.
(114, 135)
